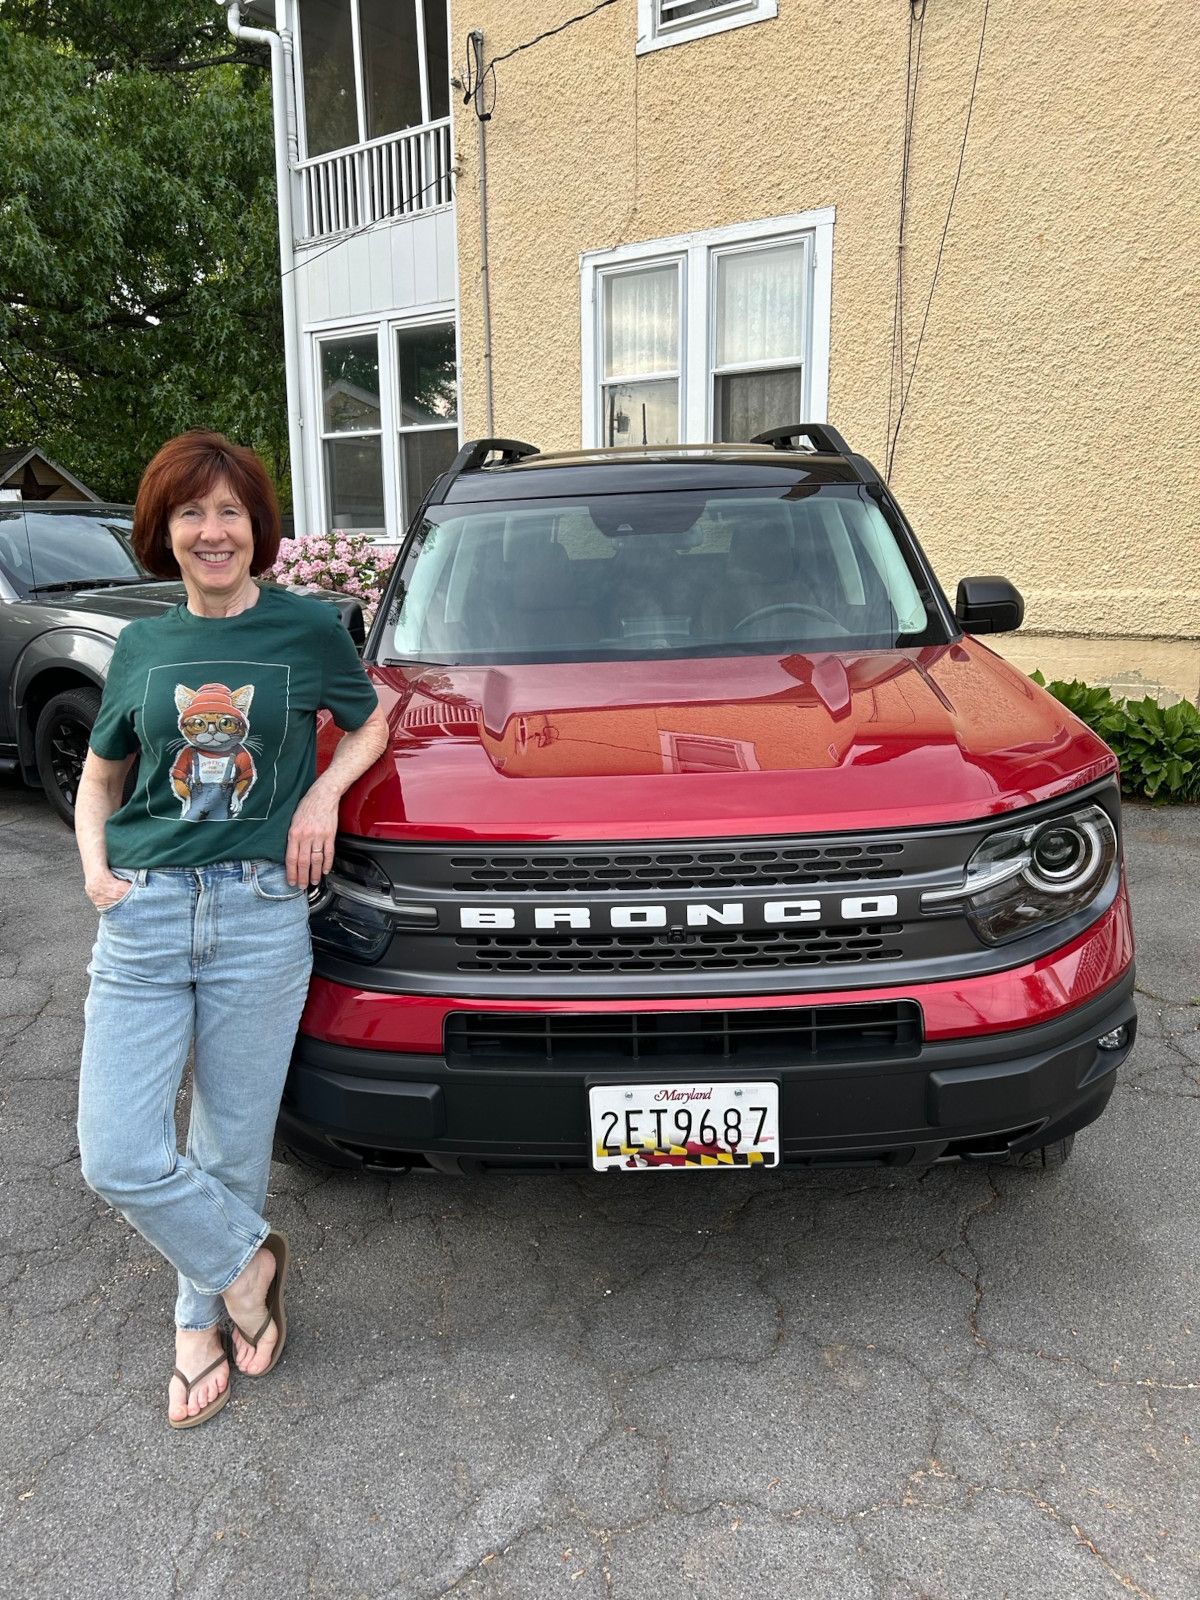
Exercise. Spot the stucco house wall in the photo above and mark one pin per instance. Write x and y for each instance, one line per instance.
(1050, 430)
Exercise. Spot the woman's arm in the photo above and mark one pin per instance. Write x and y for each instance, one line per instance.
(310, 838)
(101, 787)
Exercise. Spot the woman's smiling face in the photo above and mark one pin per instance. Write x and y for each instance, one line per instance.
(212, 539)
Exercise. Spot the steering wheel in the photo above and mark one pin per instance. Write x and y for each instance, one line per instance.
(819, 612)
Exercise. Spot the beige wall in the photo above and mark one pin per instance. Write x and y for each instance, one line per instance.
(1052, 431)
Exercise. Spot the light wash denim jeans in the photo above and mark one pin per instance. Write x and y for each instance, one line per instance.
(216, 957)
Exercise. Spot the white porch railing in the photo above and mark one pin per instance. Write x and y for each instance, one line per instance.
(395, 176)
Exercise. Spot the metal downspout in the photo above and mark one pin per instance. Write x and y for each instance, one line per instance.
(482, 117)
(287, 250)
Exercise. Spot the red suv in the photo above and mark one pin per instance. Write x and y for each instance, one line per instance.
(709, 836)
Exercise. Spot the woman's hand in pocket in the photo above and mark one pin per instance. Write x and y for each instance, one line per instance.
(104, 892)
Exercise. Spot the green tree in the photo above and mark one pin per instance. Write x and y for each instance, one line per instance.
(139, 268)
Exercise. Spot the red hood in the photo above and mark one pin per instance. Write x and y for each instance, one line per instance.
(693, 748)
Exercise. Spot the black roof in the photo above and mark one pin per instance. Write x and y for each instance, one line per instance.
(73, 508)
(633, 469)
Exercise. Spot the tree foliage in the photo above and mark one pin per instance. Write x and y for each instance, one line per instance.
(139, 268)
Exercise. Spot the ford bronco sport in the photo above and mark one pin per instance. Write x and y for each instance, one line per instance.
(709, 837)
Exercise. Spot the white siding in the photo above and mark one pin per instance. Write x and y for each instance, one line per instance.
(387, 269)
(386, 273)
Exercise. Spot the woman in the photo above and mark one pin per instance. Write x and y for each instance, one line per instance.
(200, 879)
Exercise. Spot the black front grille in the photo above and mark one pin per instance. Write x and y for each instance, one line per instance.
(697, 952)
(666, 868)
(780, 1036)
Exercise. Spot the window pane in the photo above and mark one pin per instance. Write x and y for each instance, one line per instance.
(428, 371)
(641, 413)
(350, 383)
(673, 574)
(354, 474)
(391, 68)
(424, 455)
(760, 305)
(684, 10)
(327, 46)
(641, 322)
(750, 402)
(438, 59)
(41, 547)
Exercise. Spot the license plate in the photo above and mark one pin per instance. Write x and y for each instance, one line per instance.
(648, 1127)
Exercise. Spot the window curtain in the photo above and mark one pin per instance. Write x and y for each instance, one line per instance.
(760, 306)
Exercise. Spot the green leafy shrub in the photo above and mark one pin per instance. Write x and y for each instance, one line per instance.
(1158, 746)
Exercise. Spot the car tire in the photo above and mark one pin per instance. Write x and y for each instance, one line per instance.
(60, 746)
(1046, 1158)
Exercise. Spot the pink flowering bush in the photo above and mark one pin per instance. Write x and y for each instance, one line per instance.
(348, 562)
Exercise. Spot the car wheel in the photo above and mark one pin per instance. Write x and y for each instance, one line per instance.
(60, 746)
(1046, 1157)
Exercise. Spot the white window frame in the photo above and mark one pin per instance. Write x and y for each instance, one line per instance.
(679, 261)
(444, 319)
(384, 329)
(360, 79)
(655, 34)
(699, 253)
(743, 751)
(323, 435)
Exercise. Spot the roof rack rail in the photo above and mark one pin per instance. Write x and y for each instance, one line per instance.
(822, 439)
(474, 454)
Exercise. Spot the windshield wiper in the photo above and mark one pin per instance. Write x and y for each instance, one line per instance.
(69, 585)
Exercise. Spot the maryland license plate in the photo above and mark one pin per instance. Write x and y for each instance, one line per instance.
(680, 1126)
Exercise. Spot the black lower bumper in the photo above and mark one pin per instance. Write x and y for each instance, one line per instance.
(982, 1095)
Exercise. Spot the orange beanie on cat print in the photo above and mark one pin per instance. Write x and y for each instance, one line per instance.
(212, 700)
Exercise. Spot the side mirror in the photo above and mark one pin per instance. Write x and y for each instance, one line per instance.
(988, 605)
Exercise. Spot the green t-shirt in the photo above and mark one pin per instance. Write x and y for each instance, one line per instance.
(222, 712)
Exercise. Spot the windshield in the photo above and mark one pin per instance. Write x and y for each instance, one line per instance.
(665, 574)
(39, 549)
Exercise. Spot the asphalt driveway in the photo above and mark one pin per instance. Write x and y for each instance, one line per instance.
(865, 1383)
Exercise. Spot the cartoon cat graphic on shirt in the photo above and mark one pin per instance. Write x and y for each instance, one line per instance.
(214, 770)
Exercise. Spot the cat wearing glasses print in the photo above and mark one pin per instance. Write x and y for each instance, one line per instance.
(214, 770)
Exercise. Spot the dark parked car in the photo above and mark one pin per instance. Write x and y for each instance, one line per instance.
(69, 582)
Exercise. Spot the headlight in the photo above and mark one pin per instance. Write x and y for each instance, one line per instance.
(1025, 878)
(356, 913)
(359, 932)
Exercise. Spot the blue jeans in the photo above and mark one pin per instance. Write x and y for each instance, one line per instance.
(212, 957)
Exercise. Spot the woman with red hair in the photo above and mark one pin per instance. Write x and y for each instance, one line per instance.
(201, 880)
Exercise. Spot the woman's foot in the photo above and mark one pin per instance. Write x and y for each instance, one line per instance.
(195, 1349)
(246, 1301)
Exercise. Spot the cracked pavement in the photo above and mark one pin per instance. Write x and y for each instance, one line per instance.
(975, 1383)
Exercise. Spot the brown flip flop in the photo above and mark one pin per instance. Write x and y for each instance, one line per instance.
(213, 1406)
(278, 1246)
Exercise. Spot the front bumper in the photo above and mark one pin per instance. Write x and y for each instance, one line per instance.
(972, 1096)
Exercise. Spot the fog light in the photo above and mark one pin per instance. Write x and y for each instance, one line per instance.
(1115, 1039)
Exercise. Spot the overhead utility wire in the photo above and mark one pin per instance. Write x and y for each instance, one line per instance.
(550, 32)
(916, 23)
(471, 89)
(365, 227)
(945, 230)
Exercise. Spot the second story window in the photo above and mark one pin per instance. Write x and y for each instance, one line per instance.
(666, 22)
(370, 68)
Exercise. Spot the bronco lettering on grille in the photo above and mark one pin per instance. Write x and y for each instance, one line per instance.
(700, 914)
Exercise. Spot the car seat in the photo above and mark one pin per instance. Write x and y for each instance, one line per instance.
(540, 591)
